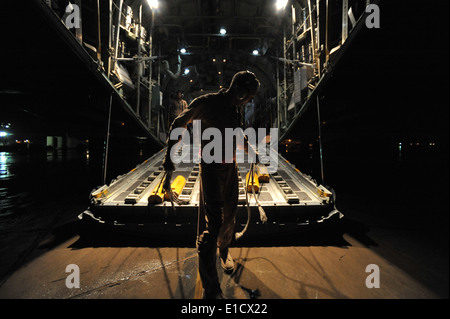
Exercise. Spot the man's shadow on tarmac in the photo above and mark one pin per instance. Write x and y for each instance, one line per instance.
(241, 283)
(256, 236)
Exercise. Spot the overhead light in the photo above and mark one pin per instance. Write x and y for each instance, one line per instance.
(3, 134)
(183, 50)
(223, 31)
(214, 60)
(255, 52)
(154, 4)
(281, 4)
(186, 71)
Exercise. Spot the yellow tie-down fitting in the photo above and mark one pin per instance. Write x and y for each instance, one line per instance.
(323, 192)
(177, 187)
(263, 173)
(158, 196)
(252, 183)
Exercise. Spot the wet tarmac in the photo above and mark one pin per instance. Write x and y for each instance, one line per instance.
(332, 265)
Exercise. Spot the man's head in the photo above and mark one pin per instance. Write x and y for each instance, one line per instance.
(179, 95)
(243, 87)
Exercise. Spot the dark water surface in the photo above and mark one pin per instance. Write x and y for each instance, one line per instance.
(39, 190)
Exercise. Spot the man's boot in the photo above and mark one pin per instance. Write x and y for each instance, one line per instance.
(226, 260)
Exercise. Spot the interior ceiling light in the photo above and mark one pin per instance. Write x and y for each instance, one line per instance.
(255, 52)
(186, 71)
(223, 31)
(183, 51)
(281, 4)
(154, 4)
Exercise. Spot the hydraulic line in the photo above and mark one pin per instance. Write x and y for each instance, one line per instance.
(262, 213)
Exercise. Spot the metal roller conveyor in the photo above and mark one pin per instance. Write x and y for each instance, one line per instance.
(287, 196)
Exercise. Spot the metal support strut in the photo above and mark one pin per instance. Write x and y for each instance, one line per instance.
(106, 151)
(320, 138)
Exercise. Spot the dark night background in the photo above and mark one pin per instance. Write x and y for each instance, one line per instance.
(391, 88)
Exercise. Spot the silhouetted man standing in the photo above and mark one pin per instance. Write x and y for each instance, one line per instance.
(219, 110)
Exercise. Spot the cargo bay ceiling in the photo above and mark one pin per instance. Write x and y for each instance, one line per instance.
(215, 39)
(198, 45)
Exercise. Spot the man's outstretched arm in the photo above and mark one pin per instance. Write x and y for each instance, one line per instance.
(187, 116)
